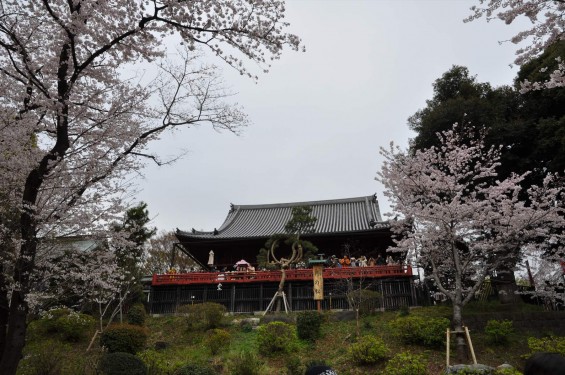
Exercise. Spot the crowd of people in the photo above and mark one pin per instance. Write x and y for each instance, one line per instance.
(362, 261)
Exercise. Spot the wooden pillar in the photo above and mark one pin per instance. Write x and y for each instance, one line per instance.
(261, 297)
(232, 301)
(205, 294)
(413, 292)
(177, 299)
(289, 296)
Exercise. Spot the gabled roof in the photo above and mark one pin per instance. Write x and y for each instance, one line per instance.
(334, 216)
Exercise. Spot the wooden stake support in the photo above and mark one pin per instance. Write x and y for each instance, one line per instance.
(285, 302)
(469, 342)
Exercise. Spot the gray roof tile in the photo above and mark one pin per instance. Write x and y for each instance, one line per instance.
(334, 216)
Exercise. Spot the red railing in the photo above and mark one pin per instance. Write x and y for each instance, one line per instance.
(274, 276)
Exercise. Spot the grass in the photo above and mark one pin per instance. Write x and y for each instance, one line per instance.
(188, 346)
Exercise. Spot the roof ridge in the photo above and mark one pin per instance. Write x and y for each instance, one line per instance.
(305, 203)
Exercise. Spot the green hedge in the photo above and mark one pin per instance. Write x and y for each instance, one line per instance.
(368, 350)
(126, 338)
(419, 330)
(276, 337)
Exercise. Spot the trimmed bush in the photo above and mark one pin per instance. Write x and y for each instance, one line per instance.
(368, 350)
(498, 331)
(125, 338)
(121, 364)
(276, 337)
(65, 323)
(194, 369)
(43, 358)
(217, 339)
(419, 330)
(137, 315)
(551, 344)
(245, 363)
(406, 363)
(308, 325)
(203, 316)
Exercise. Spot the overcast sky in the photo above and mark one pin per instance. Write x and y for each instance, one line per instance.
(318, 118)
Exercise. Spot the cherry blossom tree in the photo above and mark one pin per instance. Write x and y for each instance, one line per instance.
(464, 222)
(79, 109)
(547, 27)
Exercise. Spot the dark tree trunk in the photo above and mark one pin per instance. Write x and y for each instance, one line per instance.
(15, 336)
(460, 345)
(4, 310)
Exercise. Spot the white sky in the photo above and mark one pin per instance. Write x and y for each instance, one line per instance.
(319, 117)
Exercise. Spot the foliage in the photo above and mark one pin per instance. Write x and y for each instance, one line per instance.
(420, 330)
(44, 358)
(136, 314)
(294, 365)
(79, 112)
(458, 220)
(217, 340)
(308, 325)
(194, 369)
(156, 362)
(551, 344)
(406, 363)
(245, 363)
(498, 331)
(507, 371)
(203, 316)
(68, 324)
(276, 337)
(368, 350)
(158, 255)
(135, 234)
(301, 221)
(366, 300)
(124, 338)
(545, 30)
(121, 364)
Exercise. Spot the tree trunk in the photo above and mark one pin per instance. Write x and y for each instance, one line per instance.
(4, 310)
(280, 290)
(15, 337)
(460, 346)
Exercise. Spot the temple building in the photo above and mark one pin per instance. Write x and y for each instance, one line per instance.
(351, 226)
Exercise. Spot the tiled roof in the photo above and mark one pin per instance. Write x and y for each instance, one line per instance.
(334, 216)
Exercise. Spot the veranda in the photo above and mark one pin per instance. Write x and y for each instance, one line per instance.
(250, 292)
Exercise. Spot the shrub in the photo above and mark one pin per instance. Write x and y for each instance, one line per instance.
(551, 344)
(67, 324)
(498, 330)
(203, 315)
(367, 300)
(507, 371)
(406, 363)
(404, 311)
(124, 338)
(217, 339)
(194, 369)
(294, 365)
(419, 330)
(43, 358)
(156, 362)
(276, 337)
(245, 363)
(121, 364)
(308, 325)
(136, 315)
(368, 350)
